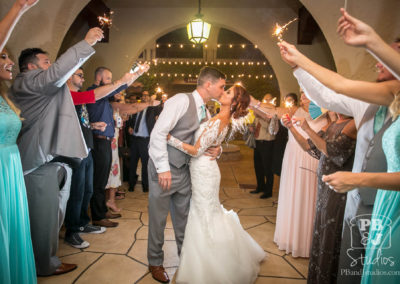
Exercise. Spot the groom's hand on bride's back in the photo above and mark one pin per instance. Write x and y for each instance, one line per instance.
(214, 152)
(164, 180)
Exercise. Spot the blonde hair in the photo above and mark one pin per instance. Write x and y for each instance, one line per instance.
(3, 93)
(394, 107)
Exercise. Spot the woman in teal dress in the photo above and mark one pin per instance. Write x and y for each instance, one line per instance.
(17, 263)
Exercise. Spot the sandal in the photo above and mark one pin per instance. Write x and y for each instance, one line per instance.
(120, 195)
(112, 208)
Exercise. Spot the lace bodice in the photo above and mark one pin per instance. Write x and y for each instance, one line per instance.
(391, 146)
(207, 135)
(10, 124)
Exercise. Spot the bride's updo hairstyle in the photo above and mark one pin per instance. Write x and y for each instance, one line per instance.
(240, 102)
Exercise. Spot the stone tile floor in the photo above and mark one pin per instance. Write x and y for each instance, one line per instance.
(119, 255)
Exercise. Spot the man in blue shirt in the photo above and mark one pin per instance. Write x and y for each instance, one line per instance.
(102, 157)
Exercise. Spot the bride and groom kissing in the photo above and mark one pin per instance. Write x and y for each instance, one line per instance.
(184, 179)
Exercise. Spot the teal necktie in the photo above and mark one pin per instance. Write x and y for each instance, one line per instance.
(203, 112)
(379, 118)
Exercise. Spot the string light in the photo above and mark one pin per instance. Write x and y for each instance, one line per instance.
(219, 45)
(195, 75)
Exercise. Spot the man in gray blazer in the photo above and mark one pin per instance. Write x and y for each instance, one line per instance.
(50, 140)
(168, 169)
(371, 122)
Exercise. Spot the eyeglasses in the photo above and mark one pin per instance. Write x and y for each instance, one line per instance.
(80, 75)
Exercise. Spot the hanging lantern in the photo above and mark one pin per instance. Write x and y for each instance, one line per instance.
(197, 29)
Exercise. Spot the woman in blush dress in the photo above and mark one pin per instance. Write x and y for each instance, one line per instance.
(297, 191)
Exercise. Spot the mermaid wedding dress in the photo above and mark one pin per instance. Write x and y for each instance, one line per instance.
(216, 249)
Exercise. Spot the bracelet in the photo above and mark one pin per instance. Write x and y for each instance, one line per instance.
(257, 106)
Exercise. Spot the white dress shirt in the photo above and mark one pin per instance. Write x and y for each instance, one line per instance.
(174, 109)
(329, 99)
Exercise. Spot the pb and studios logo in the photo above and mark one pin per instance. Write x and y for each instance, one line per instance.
(367, 226)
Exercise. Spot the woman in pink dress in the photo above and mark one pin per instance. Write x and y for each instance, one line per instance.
(297, 191)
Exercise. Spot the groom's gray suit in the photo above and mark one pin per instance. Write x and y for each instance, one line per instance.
(369, 157)
(50, 129)
(177, 198)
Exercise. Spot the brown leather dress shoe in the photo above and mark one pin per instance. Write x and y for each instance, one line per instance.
(105, 223)
(65, 268)
(159, 274)
(110, 215)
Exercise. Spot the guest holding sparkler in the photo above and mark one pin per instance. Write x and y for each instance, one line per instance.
(357, 33)
(297, 191)
(334, 146)
(298, 183)
(377, 136)
(264, 134)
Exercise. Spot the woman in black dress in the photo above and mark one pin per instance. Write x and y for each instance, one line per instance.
(334, 147)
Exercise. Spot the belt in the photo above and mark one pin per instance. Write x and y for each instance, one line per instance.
(140, 137)
(103, 137)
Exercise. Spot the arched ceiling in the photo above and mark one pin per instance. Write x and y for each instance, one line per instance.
(138, 22)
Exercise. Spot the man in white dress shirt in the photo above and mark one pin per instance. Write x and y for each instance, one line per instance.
(169, 177)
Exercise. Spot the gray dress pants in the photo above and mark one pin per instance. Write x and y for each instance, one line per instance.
(176, 200)
(48, 192)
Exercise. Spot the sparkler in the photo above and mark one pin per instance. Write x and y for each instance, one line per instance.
(288, 104)
(306, 169)
(105, 21)
(279, 30)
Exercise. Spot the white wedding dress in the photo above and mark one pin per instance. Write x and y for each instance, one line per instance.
(216, 249)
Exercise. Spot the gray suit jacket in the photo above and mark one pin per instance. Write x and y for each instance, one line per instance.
(50, 127)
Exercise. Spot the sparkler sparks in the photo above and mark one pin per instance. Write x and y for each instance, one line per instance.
(288, 104)
(105, 21)
(279, 30)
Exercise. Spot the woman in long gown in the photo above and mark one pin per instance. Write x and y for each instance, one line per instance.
(334, 147)
(297, 191)
(382, 256)
(17, 263)
(216, 249)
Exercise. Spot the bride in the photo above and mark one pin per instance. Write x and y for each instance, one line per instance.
(216, 249)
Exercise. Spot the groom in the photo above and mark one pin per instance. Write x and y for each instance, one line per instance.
(168, 169)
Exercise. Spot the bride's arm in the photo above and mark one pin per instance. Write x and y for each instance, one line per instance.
(381, 93)
(206, 139)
